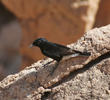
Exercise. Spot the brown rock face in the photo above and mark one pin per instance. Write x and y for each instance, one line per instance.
(10, 34)
(81, 78)
(103, 15)
(61, 21)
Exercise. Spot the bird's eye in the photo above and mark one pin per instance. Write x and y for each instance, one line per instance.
(40, 41)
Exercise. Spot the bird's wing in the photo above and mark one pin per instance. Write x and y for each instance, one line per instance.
(51, 53)
(65, 51)
(51, 50)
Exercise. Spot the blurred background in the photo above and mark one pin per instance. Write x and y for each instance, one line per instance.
(60, 21)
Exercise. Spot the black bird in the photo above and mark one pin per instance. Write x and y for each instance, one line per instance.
(56, 51)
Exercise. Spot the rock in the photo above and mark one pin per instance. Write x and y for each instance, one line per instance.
(10, 34)
(76, 78)
(62, 21)
(103, 15)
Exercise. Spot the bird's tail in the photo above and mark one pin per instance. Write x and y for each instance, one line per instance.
(76, 54)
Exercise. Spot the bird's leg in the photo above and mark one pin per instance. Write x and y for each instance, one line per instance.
(56, 65)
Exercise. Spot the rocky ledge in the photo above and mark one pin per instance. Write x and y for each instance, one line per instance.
(81, 78)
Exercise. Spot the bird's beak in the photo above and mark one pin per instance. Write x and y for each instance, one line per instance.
(31, 46)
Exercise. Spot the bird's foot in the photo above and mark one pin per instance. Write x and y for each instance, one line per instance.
(52, 72)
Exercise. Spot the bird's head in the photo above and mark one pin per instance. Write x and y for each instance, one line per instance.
(38, 42)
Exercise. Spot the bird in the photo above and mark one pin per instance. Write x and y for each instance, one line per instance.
(56, 51)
